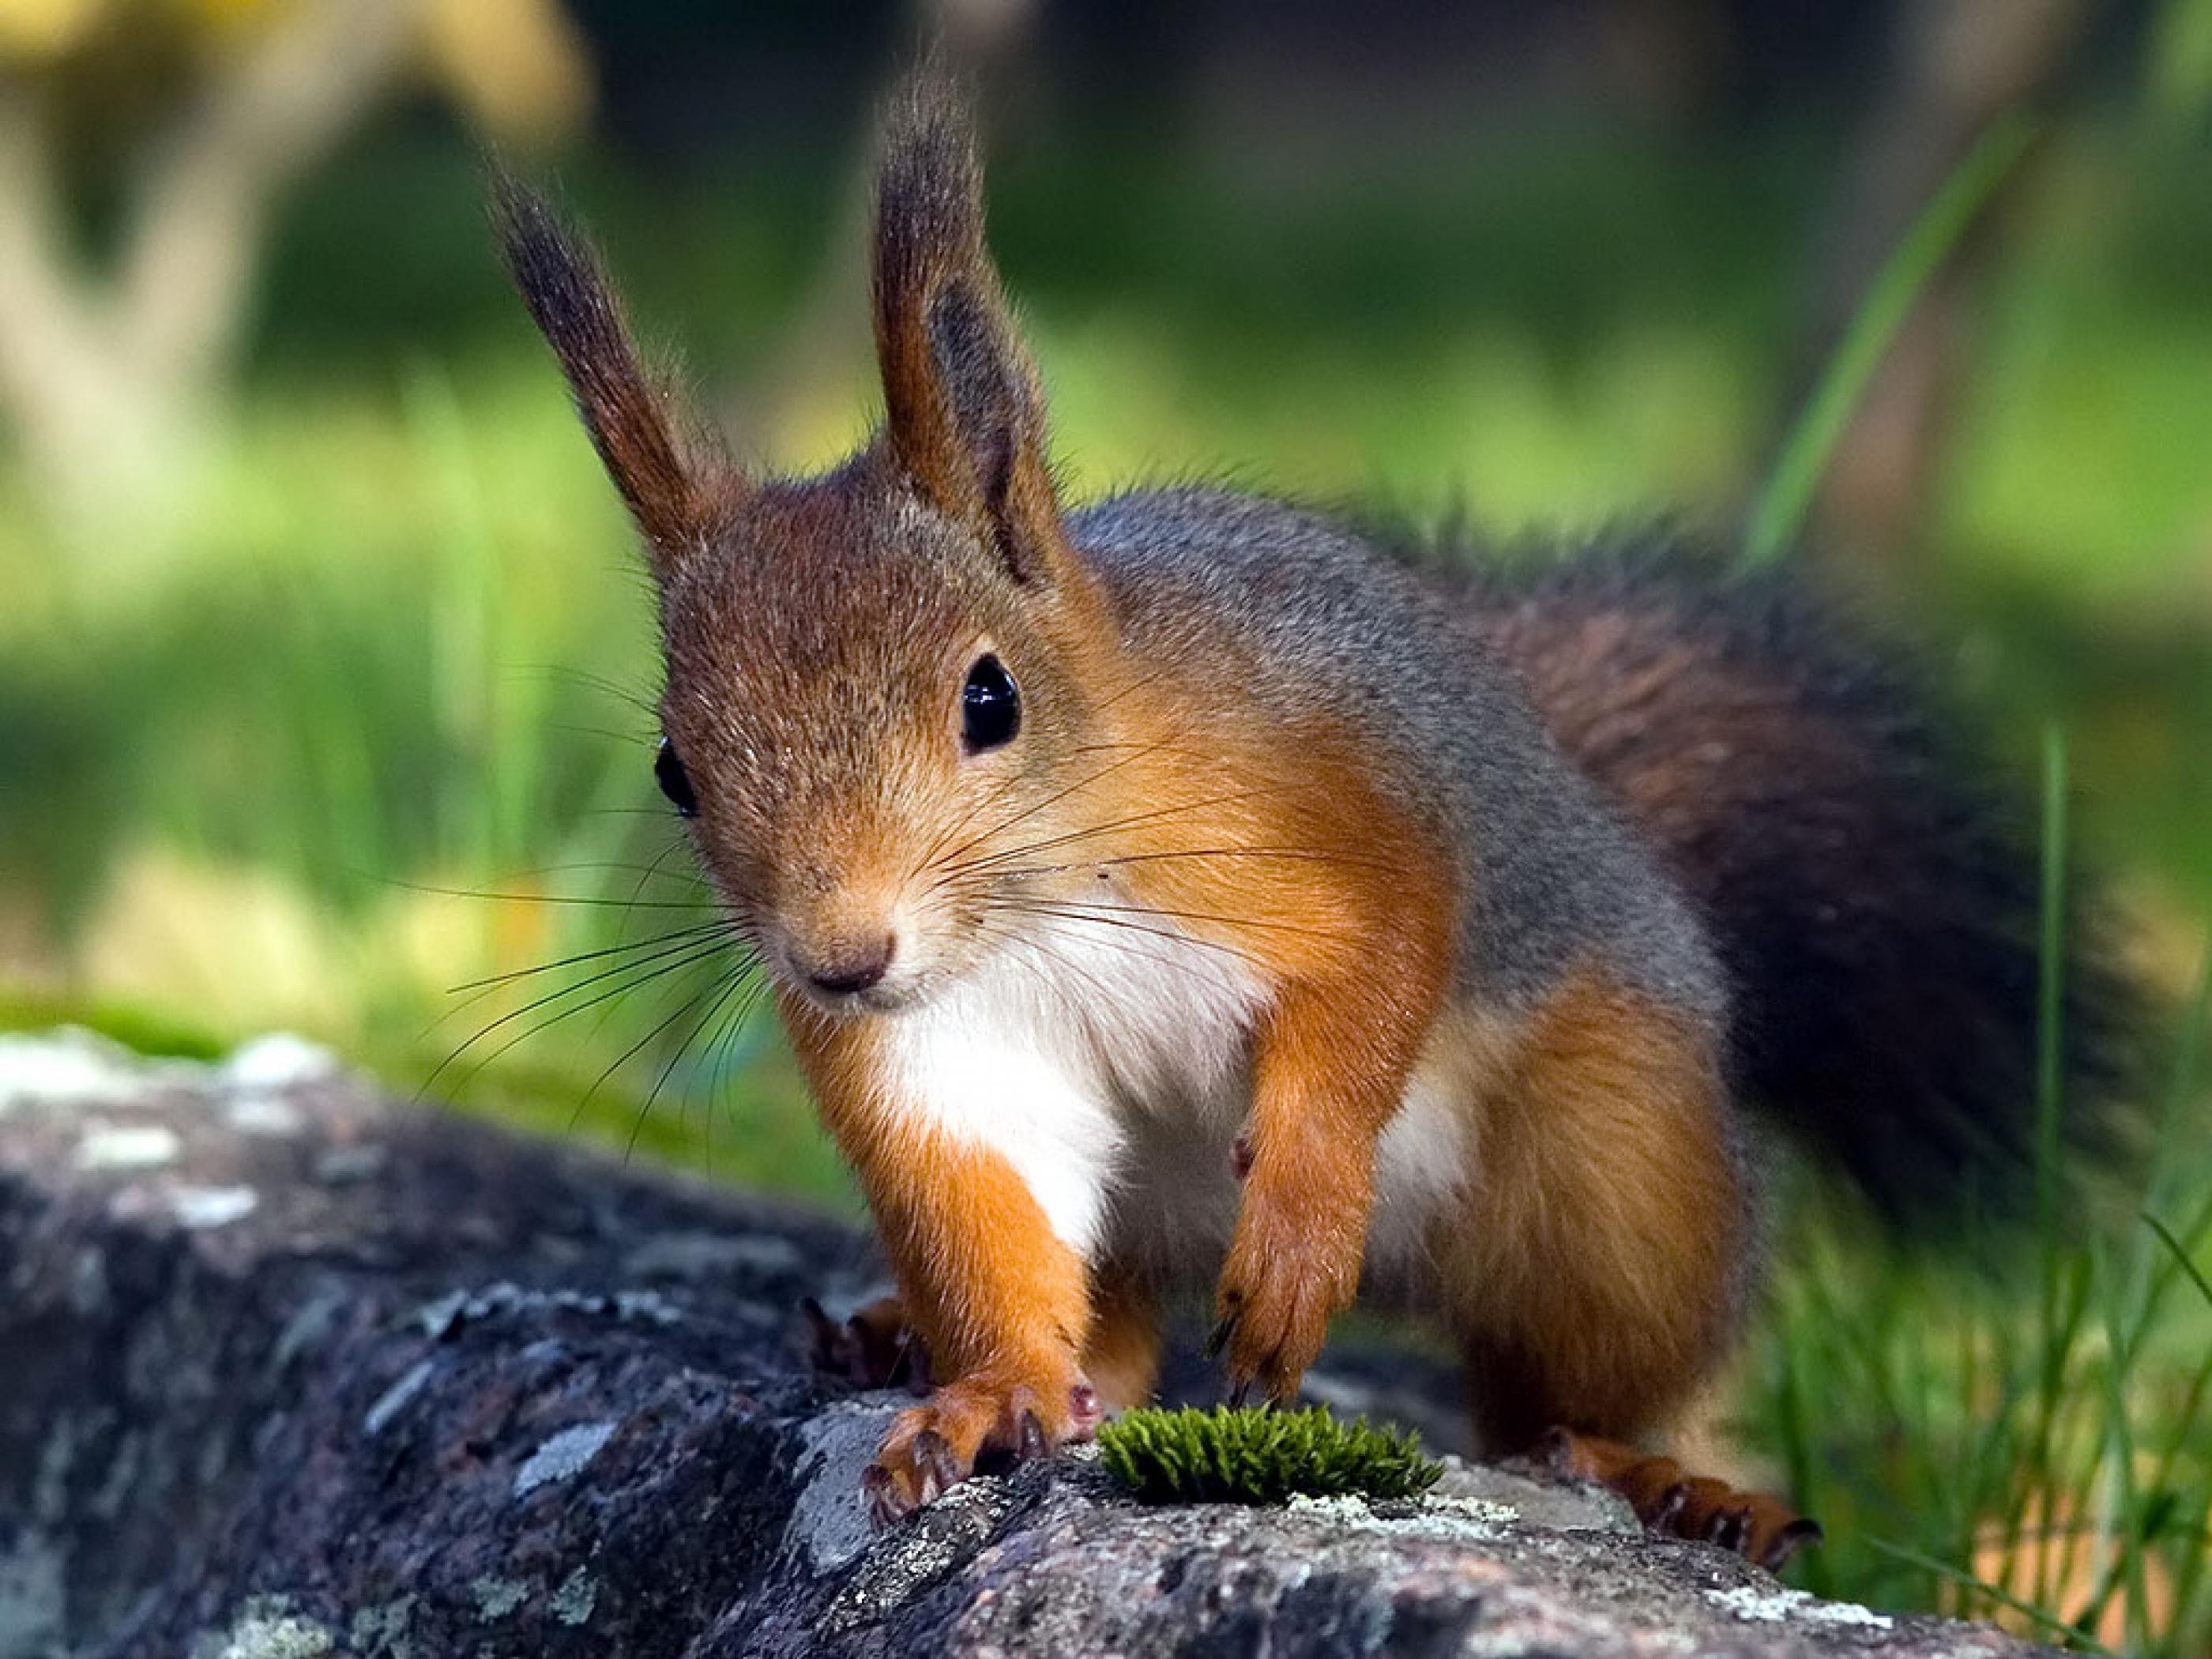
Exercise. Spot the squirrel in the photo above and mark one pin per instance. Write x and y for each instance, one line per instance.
(1190, 889)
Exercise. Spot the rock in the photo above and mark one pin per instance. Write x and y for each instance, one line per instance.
(289, 1369)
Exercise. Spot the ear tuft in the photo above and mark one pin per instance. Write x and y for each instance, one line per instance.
(629, 418)
(963, 412)
(929, 184)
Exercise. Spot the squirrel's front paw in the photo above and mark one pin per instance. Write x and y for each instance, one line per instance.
(936, 1446)
(1279, 1288)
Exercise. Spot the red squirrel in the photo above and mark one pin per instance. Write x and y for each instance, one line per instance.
(1186, 889)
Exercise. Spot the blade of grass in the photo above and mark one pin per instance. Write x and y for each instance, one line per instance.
(1797, 1453)
(2181, 1255)
(2002, 1597)
(2056, 1346)
(2124, 1507)
(2166, 1162)
(463, 615)
(2157, 1259)
(2050, 1029)
(1781, 505)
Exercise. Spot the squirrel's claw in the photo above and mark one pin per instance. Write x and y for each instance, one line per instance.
(1760, 1527)
(1217, 1337)
(932, 1449)
(1274, 1315)
(940, 1469)
(1284, 1278)
(1029, 1441)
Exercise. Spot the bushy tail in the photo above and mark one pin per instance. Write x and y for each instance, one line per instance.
(1876, 895)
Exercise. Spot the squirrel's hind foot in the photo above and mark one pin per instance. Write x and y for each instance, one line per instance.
(1669, 1500)
(874, 1348)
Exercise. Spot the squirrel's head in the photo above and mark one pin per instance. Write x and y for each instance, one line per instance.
(875, 675)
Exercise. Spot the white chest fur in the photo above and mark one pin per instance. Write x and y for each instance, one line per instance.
(1068, 1043)
(1110, 1068)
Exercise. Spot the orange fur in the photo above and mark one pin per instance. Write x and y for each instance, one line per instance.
(1345, 906)
(999, 1302)
(1121, 1352)
(1301, 873)
(822, 638)
(1591, 1280)
(877, 1345)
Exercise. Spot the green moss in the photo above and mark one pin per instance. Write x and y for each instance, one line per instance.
(1260, 1456)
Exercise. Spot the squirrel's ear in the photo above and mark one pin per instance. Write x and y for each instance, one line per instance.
(965, 413)
(673, 495)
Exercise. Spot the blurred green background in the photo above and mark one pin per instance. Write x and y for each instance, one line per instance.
(326, 676)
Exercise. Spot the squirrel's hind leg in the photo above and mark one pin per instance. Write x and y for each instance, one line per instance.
(1122, 1350)
(1598, 1283)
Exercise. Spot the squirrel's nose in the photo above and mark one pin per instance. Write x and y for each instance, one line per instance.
(850, 967)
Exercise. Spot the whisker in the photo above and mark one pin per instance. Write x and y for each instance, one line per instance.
(491, 896)
(1016, 938)
(696, 930)
(721, 993)
(1285, 854)
(718, 1050)
(1155, 814)
(606, 732)
(1035, 807)
(697, 951)
(631, 1053)
(1005, 786)
(1161, 746)
(607, 1000)
(631, 695)
(653, 870)
(1332, 935)
(936, 842)
(1069, 913)
(623, 867)
(1136, 953)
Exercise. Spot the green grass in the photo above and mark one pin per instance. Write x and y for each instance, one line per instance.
(369, 717)
(143, 1030)
(2048, 1459)
(1258, 1455)
(1778, 516)
(1962, 1454)
(2032, 1445)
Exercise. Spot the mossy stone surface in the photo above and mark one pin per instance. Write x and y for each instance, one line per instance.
(1259, 1456)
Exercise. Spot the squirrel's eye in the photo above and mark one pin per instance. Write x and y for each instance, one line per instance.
(990, 705)
(675, 782)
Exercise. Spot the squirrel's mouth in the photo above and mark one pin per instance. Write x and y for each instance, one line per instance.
(883, 977)
(886, 998)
